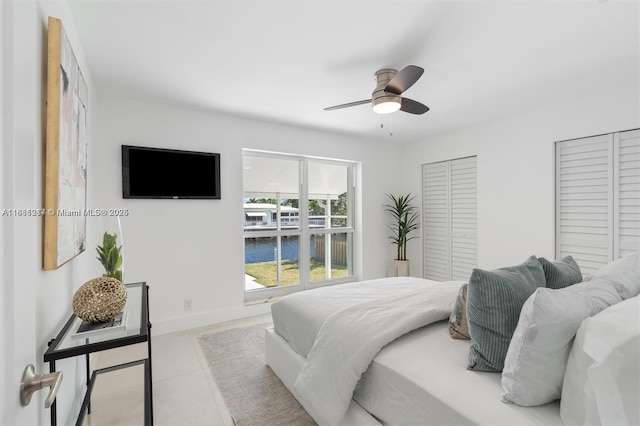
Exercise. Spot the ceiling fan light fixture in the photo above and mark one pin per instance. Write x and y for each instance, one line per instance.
(386, 104)
(390, 84)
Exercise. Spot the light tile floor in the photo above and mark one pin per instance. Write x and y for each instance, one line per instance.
(184, 392)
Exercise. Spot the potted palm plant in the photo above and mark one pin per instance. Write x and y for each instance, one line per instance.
(405, 220)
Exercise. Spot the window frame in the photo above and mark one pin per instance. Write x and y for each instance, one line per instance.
(304, 232)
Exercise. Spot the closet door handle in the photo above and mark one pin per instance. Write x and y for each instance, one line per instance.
(32, 382)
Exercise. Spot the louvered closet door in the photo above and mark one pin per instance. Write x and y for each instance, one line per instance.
(449, 219)
(584, 191)
(627, 192)
(598, 198)
(463, 218)
(435, 223)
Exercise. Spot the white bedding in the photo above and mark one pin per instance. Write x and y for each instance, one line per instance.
(298, 317)
(349, 339)
(421, 379)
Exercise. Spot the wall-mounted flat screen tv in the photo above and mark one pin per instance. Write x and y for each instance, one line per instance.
(169, 173)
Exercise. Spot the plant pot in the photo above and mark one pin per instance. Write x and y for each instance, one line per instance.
(116, 274)
(401, 268)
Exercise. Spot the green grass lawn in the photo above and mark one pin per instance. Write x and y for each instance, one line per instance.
(265, 273)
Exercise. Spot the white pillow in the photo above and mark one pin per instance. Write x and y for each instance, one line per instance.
(602, 380)
(624, 274)
(537, 356)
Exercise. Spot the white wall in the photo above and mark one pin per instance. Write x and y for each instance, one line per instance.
(194, 248)
(516, 167)
(35, 303)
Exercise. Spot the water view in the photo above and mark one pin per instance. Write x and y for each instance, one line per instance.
(264, 249)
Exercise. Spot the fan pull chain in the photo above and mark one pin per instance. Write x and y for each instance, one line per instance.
(390, 122)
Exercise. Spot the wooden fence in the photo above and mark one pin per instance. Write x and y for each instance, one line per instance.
(338, 251)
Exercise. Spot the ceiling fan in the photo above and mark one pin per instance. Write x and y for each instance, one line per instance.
(390, 84)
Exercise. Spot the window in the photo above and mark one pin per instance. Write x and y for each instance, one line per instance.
(449, 219)
(298, 222)
(598, 198)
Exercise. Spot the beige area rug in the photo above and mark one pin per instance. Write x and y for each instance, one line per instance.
(252, 392)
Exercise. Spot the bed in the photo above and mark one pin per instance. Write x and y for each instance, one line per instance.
(399, 387)
(414, 374)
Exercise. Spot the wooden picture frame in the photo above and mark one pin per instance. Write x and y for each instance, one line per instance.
(65, 152)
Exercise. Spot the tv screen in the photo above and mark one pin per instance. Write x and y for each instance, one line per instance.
(169, 173)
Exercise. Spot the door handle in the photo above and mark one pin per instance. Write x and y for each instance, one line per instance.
(32, 382)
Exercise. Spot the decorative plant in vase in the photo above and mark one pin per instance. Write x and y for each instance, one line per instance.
(405, 220)
(109, 254)
(102, 298)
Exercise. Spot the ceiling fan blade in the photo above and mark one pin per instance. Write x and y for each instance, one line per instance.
(350, 104)
(413, 107)
(404, 79)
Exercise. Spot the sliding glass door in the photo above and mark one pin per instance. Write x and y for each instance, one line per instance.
(298, 222)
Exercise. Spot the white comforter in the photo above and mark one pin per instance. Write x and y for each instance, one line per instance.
(350, 338)
(297, 318)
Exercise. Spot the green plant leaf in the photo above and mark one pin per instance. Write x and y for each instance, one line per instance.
(109, 254)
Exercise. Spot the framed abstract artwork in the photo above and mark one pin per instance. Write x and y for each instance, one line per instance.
(65, 152)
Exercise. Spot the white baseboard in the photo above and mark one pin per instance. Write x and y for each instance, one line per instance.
(201, 319)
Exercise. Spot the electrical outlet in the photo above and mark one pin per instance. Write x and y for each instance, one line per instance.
(187, 304)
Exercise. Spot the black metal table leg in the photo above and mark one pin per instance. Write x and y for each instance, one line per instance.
(54, 419)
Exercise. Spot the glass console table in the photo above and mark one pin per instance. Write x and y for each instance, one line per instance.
(136, 329)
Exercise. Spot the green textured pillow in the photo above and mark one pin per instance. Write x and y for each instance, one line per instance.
(561, 273)
(494, 301)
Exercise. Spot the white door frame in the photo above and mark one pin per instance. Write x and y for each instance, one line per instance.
(17, 289)
(3, 277)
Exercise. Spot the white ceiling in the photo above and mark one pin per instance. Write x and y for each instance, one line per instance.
(286, 60)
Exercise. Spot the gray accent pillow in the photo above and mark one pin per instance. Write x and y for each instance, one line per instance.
(494, 301)
(458, 325)
(561, 273)
(537, 357)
